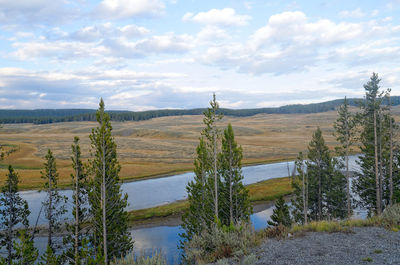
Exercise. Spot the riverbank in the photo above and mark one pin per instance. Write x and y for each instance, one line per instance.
(261, 194)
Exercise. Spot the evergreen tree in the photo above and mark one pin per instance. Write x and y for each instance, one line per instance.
(13, 212)
(281, 214)
(235, 202)
(25, 250)
(368, 184)
(200, 215)
(345, 126)
(326, 184)
(49, 257)
(203, 191)
(79, 187)
(107, 203)
(212, 134)
(54, 206)
(300, 186)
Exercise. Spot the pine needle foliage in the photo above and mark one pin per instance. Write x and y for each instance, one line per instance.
(235, 202)
(77, 232)
(280, 214)
(14, 212)
(54, 205)
(110, 234)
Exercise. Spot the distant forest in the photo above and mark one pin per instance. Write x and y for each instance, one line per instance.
(43, 116)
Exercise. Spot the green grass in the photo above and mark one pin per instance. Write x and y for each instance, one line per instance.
(367, 259)
(378, 251)
(176, 208)
(270, 190)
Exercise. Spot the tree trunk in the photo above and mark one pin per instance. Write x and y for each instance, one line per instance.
(305, 210)
(103, 199)
(378, 196)
(391, 155)
(215, 171)
(77, 207)
(380, 162)
(348, 183)
(230, 185)
(319, 193)
(50, 214)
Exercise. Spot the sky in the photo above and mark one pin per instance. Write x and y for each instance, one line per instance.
(155, 54)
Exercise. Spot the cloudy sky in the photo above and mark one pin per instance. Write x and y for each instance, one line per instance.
(152, 54)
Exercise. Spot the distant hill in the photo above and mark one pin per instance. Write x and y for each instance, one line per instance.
(43, 116)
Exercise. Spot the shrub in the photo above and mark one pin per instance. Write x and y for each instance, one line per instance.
(280, 231)
(391, 216)
(156, 259)
(219, 243)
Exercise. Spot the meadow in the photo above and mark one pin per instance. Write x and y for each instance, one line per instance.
(160, 146)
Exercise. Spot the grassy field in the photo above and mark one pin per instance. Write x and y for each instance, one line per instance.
(159, 146)
(263, 191)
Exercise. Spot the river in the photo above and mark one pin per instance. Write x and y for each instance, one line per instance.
(153, 192)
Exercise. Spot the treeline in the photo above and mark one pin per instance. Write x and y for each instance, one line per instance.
(44, 116)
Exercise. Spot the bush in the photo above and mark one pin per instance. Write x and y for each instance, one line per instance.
(280, 231)
(391, 216)
(219, 243)
(156, 259)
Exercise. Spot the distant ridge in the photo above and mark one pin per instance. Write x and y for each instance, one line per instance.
(43, 116)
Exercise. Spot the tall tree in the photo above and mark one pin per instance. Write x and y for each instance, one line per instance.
(345, 131)
(200, 215)
(300, 186)
(325, 187)
(368, 184)
(110, 219)
(235, 202)
(79, 188)
(13, 212)
(212, 134)
(54, 204)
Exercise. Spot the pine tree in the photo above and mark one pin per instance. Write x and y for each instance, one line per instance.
(13, 212)
(200, 215)
(326, 184)
(300, 186)
(280, 214)
(235, 202)
(368, 184)
(345, 126)
(25, 250)
(107, 203)
(203, 191)
(54, 205)
(212, 134)
(76, 230)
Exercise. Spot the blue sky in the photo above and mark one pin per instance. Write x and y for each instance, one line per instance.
(152, 54)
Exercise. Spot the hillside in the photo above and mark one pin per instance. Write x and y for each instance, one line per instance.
(44, 116)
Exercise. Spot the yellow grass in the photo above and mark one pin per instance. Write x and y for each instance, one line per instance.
(162, 145)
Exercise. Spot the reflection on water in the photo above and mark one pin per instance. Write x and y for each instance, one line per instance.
(153, 192)
(142, 195)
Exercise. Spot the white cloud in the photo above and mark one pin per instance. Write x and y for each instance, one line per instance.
(356, 13)
(35, 12)
(223, 17)
(212, 33)
(121, 9)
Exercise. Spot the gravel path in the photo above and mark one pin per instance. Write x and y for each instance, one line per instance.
(370, 245)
